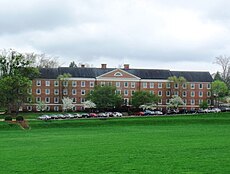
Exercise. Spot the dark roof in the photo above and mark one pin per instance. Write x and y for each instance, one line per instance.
(193, 76)
(53, 73)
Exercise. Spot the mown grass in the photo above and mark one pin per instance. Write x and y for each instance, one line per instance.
(182, 144)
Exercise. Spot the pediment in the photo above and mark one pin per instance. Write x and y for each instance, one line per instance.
(118, 73)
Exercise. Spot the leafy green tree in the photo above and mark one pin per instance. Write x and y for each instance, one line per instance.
(15, 79)
(105, 97)
(219, 90)
(143, 98)
(204, 105)
(63, 84)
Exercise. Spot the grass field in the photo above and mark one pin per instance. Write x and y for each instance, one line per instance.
(181, 144)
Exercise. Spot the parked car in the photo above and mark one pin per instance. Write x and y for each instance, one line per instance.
(139, 113)
(101, 114)
(93, 115)
(76, 115)
(85, 115)
(44, 117)
(148, 112)
(216, 110)
(117, 114)
(225, 109)
(53, 116)
(109, 114)
(158, 113)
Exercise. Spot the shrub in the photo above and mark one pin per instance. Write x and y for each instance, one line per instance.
(19, 118)
(8, 118)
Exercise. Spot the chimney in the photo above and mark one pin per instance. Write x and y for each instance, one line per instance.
(126, 66)
(103, 66)
(82, 66)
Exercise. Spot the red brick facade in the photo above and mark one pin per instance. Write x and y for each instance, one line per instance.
(51, 91)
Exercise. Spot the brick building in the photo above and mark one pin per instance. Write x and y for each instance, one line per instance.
(49, 89)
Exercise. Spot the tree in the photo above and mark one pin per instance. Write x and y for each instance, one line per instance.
(41, 106)
(217, 76)
(144, 98)
(204, 105)
(44, 61)
(224, 62)
(105, 97)
(89, 105)
(175, 102)
(67, 104)
(219, 90)
(15, 79)
(73, 65)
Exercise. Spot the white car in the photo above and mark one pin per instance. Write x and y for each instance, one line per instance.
(117, 114)
(216, 110)
(44, 117)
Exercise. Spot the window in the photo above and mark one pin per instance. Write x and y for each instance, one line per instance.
(102, 83)
(47, 108)
(192, 85)
(38, 99)
(200, 94)
(184, 86)
(144, 84)
(29, 108)
(192, 94)
(151, 85)
(200, 101)
(118, 74)
(126, 101)
(126, 92)
(56, 91)
(74, 92)
(82, 92)
(176, 93)
(159, 85)
(74, 84)
(29, 99)
(160, 101)
(47, 99)
(209, 101)
(192, 102)
(56, 99)
(38, 82)
(208, 94)
(167, 101)
(133, 84)
(47, 83)
(176, 85)
(185, 101)
(159, 93)
(47, 91)
(200, 86)
(151, 92)
(91, 84)
(168, 85)
(126, 84)
(56, 108)
(82, 100)
(82, 83)
(29, 91)
(184, 94)
(109, 83)
(118, 84)
(132, 92)
(74, 108)
(38, 91)
(74, 100)
(56, 83)
(168, 93)
(65, 92)
(118, 91)
(65, 83)
(208, 86)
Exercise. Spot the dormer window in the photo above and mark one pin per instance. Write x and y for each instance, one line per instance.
(118, 74)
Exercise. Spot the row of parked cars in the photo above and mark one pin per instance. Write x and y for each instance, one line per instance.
(148, 112)
(77, 115)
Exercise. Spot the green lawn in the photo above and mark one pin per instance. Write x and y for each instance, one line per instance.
(181, 144)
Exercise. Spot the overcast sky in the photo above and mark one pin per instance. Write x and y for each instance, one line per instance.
(166, 34)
